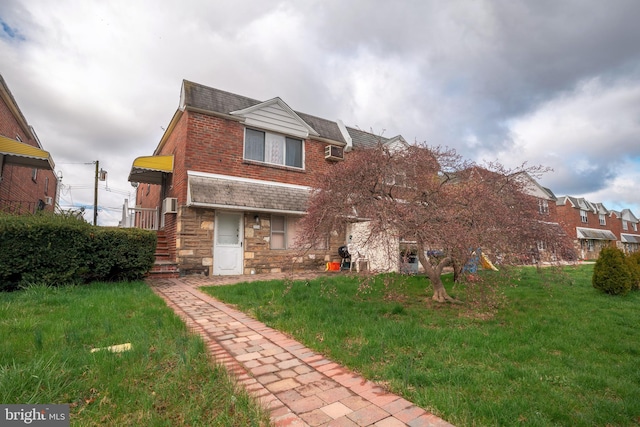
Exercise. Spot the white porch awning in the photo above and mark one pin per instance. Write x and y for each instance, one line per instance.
(595, 234)
(629, 238)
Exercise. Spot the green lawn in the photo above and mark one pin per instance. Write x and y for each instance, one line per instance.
(557, 353)
(166, 379)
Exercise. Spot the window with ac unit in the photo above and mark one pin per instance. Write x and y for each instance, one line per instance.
(273, 148)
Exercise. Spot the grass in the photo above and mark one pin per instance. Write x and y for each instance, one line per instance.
(166, 378)
(557, 352)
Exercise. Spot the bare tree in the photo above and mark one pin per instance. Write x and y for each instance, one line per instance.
(433, 197)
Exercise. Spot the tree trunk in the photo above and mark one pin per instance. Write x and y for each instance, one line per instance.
(457, 271)
(434, 272)
(439, 292)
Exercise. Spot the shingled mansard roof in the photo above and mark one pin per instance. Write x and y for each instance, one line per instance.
(584, 204)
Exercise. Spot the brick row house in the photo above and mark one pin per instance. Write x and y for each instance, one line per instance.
(232, 176)
(545, 250)
(27, 181)
(594, 226)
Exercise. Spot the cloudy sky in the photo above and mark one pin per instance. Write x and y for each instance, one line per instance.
(551, 82)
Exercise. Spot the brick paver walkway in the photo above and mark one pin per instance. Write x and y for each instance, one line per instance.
(298, 386)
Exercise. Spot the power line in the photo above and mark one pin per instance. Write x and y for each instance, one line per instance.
(76, 163)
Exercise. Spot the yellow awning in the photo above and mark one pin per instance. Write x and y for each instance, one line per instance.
(21, 154)
(150, 169)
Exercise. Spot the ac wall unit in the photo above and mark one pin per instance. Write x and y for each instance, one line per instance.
(170, 205)
(333, 153)
(48, 200)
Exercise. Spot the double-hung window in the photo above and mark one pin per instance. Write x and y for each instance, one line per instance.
(273, 148)
(625, 226)
(583, 216)
(603, 219)
(543, 206)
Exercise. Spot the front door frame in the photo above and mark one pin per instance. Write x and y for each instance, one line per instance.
(228, 258)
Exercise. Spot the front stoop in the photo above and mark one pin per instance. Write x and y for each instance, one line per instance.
(163, 268)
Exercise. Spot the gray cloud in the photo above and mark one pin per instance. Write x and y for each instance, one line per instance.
(514, 80)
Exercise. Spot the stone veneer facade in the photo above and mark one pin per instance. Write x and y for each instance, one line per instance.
(194, 245)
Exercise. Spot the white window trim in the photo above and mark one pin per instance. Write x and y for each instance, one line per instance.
(603, 219)
(543, 206)
(583, 216)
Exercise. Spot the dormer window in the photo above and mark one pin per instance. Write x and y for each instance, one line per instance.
(273, 148)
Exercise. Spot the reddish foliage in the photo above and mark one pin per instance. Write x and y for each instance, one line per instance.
(435, 198)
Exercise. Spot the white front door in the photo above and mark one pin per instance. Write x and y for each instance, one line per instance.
(227, 244)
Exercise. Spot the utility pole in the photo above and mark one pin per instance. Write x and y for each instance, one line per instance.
(102, 176)
(95, 195)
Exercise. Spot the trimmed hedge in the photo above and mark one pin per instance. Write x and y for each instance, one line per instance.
(633, 261)
(56, 250)
(612, 274)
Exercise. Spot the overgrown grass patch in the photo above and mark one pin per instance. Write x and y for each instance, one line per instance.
(166, 378)
(557, 352)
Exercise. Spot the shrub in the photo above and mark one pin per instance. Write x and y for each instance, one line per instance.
(54, 250)
(611, 273)
(633, 261)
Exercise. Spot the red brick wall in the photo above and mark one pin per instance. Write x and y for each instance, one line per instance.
(210, 144)
(204, 143)
(19, 192)
(569, 218)
(215, 145)
(615, 225)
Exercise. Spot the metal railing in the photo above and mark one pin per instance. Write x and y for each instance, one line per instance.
(145, 218)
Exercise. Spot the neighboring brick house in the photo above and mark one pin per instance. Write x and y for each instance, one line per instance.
(27, 181)
(592, 225)
(232, 176)
(626, 228)
(546, 250)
